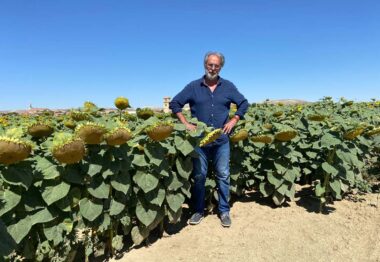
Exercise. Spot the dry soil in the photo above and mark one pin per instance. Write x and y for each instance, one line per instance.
(348, 231)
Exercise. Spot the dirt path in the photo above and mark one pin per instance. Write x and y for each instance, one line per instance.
(349, 232)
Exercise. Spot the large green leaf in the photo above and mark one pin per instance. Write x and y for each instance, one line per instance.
(99, 188)
(328, 140)
(145, 181)
(17, 176)
(175, 201)
(54, 234)
(329, 169)
(11, 199)
(291, 175)
(179, 127)
(89, 209)
(156, 197)
(7, 244)
(291, 192)
(311, 154)
(121, 182)
(21, 229)
(53, 191)
(108, 172)
(184, 166)
(174, 217)
(315, 130)
(172, 183)
(280, 167)
(139, 160)
(183, 146)
(42, 216)
(319, 189)
(169, 147)
(335, 186)
(138, 234)
(94, 169)
(275, 179)
(349, 158)
(48, 169)
(146, 213)
(282, 189)
(186, 190)
(116, 207)
(350, 176)
(155, 153)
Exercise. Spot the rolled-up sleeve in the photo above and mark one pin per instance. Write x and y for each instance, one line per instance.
(182, 98)
(240, 101)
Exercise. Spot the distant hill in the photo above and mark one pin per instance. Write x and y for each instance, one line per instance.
(34, 111)
(287, 101)
(133, 110)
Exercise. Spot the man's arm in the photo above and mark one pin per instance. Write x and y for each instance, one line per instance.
(178, 102)
(183, 120)
(241, 103)
(242, 106)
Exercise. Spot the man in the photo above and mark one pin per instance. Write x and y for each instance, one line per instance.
(209, 98)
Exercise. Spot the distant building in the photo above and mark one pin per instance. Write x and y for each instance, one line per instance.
(166, 104)
(167, 100)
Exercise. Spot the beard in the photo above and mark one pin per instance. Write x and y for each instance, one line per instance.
(211, 77)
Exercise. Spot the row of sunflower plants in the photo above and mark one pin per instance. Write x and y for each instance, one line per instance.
(325, 144)
(89, 180)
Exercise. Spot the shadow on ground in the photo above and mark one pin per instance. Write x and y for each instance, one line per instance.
(310, 203)
(304, 198)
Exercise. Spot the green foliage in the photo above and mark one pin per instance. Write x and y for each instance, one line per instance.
(48, 209)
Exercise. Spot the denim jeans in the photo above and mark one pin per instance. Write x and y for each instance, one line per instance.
(220, 157)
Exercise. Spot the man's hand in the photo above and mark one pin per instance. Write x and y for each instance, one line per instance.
(228, 127)
(190, 127)
(183, 120)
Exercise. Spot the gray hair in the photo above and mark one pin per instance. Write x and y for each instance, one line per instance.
(218, 54)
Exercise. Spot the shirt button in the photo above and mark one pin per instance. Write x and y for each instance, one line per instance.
(212, 105)
(212, 114)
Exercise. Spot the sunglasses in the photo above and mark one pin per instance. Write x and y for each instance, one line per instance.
(213, 66)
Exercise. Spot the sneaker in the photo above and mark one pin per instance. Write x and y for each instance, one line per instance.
(225, 219)
(195, 219)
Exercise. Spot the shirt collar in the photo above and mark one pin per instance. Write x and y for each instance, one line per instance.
(202, 80)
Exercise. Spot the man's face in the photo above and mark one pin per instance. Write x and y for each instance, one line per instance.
(212, 67)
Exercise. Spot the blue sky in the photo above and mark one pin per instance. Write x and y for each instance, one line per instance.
(58, 54)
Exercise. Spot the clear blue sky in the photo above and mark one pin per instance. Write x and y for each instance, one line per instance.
(58, 54)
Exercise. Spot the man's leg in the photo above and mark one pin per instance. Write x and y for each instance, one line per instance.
(222, 167)
(200, 165)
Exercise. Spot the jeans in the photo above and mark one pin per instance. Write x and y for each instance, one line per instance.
(220, 157)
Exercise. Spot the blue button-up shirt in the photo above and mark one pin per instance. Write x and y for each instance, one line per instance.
(211, 108)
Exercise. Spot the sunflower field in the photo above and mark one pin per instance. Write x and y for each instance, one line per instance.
(91, 180)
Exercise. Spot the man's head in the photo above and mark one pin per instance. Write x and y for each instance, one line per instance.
(213, 63)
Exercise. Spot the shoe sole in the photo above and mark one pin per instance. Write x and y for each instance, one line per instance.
(195, 223)
(226, 225)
